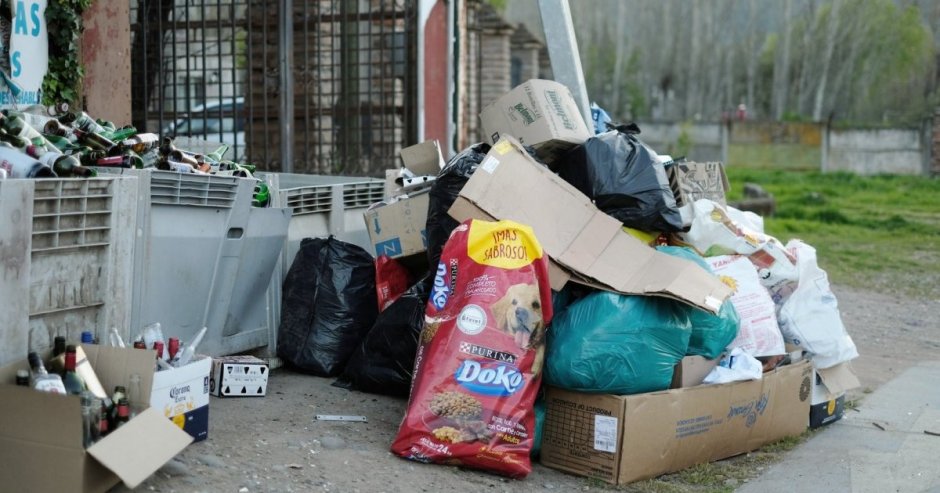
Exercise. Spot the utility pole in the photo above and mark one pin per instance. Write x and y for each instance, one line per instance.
(563, 52)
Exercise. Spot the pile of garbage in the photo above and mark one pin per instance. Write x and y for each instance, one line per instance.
(573, 293)
(42, 141)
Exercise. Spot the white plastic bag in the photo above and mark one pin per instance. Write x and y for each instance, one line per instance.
(719, 231)
(735, 367)
(809, 315)
(759, 334)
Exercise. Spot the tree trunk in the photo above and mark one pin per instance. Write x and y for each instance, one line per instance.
(827, 60)
(782, 78)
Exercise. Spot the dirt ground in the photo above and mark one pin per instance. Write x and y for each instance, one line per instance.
(275, 444)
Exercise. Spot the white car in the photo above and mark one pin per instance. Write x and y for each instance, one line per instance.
(215, 122)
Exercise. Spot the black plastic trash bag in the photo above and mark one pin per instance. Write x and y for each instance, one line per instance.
(384, 362)
(620, 173)
(444, 192)
(328, 304)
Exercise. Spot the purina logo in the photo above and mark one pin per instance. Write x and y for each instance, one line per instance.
(489, 378)
(440, 292)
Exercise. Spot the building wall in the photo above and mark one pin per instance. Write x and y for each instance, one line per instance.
(105, 51)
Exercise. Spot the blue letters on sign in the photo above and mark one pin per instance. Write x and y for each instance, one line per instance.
(489, 378)
(392, 247)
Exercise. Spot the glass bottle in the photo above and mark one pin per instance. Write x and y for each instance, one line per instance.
(16, 125)
(58, 346)
(172, 347)
(87, 337)
(142, 142)
(81, 121)
(19, 165)
(73, 383)
(42, 380)
(22, 378)
(134, 398)
(94, 140)
(103, 421)
(123, 413)
(89, 418)
(215, 157)
(120, 392)
(63, 165)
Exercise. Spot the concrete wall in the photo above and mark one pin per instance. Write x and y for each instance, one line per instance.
(708, 142)
(897, 151)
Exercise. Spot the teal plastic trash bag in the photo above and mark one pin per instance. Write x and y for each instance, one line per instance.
(616, 344)
(711, 333)
(539, 425)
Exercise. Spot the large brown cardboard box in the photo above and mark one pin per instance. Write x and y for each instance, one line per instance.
(584, 244)
(539, 113)
(621, 439)
(41, 434)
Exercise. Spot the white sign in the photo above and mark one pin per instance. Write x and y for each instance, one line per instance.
(29, 51)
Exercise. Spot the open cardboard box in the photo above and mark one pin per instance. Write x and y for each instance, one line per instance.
(584, 244)
(621, 439)
(41, 434)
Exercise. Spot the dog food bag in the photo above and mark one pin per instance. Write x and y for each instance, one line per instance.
(479, 361)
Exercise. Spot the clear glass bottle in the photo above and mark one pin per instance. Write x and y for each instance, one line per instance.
(134, 398)
(42, 380)
(22, 378)
(89, 418)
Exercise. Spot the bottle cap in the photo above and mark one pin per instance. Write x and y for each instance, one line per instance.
(87, 337)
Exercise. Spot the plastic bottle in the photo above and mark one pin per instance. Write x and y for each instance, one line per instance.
(186, 355)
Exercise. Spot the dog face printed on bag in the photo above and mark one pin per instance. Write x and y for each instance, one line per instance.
(519, 314)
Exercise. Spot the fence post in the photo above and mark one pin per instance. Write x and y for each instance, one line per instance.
(824, 148)
(725, 138)
(285, 52)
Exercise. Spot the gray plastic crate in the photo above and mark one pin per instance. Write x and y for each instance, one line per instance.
(66, 250)
(205, 257)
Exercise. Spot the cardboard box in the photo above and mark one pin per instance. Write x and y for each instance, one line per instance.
(239, 376)
(584, 244)
(42, 432)
(691, 181)
(829, 388)
(691, 371)
(399, 229)
(539, 113)
(182, 395)
(621, 439)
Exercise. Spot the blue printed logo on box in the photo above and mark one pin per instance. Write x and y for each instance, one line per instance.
(391, 247)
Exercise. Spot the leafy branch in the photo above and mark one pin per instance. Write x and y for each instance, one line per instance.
(63, 80)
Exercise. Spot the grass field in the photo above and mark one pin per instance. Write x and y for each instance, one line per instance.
(873, 232)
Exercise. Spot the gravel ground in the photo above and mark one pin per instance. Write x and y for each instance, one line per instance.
(275, 444)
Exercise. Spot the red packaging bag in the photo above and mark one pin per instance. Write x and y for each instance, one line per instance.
(391, 280)
(478, 365)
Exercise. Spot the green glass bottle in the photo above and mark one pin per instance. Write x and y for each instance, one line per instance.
(73, 383)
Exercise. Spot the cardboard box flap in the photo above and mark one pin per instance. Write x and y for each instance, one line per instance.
(509, 184)
(113, 366)
(40, 417)
(838, 379)
(136, 450)
(423, 159)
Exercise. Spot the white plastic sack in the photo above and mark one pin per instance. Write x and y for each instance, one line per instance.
(759, 334)
(809, 314)
(735, 367)
(718, 231)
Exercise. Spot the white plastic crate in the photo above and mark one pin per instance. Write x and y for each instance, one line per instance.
(66, 254)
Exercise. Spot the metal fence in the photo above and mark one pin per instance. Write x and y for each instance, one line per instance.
(213, 70)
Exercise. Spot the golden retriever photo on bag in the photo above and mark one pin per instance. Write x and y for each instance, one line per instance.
(519, 314)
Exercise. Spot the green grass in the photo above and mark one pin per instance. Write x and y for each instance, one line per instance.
(880, 233)
(791, 157)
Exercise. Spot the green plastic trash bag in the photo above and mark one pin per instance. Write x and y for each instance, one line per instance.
(711, 333)
(616, 344)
